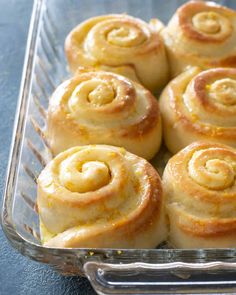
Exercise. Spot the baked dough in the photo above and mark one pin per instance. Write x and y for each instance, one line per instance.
(104, 108)
(200, 106)
(122, 44)
(201, 34)
(100, 196)
(200, 189)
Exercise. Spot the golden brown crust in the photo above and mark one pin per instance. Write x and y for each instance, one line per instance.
(227, 62)
(147, 123)
(208, 230)
(200, 191)
(188, 10)
(125, 211)
(101, 107)
(130, 47)
(200, 105)
(201, 34)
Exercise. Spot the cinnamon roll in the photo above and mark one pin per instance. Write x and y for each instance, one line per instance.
(200, 106)
(104, 108)
(201, 34)
(200, 189)
(100, 196)
(122, 44)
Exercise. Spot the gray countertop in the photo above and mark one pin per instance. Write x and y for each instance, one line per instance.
(18, 274)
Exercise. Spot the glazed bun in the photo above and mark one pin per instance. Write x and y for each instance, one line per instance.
(200, 106)
(122, 44)
(104, 108)
(100, 196)
(200, 189)
(201, 34)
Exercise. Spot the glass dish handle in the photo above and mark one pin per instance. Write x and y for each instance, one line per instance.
(168, 278)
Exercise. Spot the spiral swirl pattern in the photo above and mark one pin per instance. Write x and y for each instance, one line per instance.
(201, 34)
(200, 105)
(121, 44)
(100, 196)
(200, 189)
(105, 108)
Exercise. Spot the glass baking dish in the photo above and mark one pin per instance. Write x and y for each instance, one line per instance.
(111, 271)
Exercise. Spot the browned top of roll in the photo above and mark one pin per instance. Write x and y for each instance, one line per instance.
(123, 35)
(204, 21)
(204, 33)
(201, 185)
(105, 189)
(205, 101)
(101, 100)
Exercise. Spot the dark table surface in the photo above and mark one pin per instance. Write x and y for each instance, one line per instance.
(18, 274)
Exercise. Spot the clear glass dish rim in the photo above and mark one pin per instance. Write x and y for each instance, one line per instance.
(28, 248)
